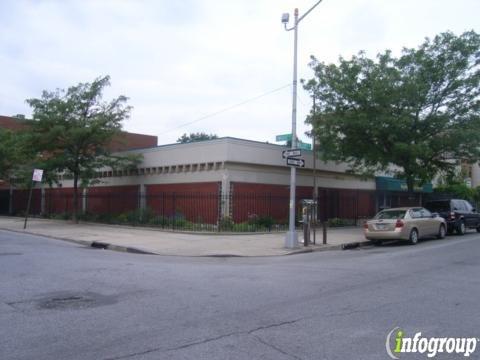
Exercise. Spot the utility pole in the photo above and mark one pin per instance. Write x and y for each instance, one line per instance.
(315, 190)
(291, 239)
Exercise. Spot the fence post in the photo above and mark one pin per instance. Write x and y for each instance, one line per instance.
(174, 211)
(324, 226)
(163, 210)
(84, 200)
(10, 202)
(142, 203)
(225, 195)
(42, 201)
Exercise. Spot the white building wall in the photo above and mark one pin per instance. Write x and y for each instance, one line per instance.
(226, 160)
(475, 175)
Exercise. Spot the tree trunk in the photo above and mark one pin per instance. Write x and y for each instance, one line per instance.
(410, 186)
(75, 198)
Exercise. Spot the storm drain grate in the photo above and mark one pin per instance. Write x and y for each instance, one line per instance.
(99, 245)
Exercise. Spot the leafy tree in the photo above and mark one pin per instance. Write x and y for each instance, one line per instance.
(14, 153)
(193, 137)
(72, 130)
(415, 115)
(454, 184)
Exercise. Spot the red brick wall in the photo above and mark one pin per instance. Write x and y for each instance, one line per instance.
(113, 199)
(60, 201)
(273, 200)
(264, 200)
(100, 200)
(20, 199)
(123, 141)
(126, 140)
(366, 203)
(14, 124)
(196, 202)
(345, 203)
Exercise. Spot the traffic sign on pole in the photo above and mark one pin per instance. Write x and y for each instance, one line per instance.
(295, 162)
(37, 175)
(291, 153)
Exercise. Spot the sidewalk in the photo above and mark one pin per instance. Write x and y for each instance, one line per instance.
(154, 241)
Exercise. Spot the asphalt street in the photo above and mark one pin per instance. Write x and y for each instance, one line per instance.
(60, 300)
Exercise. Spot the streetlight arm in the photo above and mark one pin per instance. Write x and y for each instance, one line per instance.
(301, 17)
(309, 11)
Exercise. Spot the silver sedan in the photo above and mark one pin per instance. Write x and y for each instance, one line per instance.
(406, 223)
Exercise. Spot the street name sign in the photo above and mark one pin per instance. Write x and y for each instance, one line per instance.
(291, 153)
(295, 162)
(304, 146)
(284, 137)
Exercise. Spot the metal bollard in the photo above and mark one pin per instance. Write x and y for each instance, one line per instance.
(324, 226)
(306, 233)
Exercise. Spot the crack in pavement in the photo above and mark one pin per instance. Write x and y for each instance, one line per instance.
(260, 340)
(274, 325)
(204, 341)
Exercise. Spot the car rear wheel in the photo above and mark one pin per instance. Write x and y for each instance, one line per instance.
(441, 232)
(461, 229)
(413, 237)
(478, 229)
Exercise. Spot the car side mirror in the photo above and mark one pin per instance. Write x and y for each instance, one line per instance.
(434, 215)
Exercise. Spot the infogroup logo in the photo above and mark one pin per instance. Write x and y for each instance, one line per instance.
(397, 343)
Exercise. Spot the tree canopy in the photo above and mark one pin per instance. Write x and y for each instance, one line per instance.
(193, 137)
(72, 130)
(14, 153)
(414, 115)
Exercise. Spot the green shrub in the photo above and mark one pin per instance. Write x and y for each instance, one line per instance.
(336, 222)
(225, 224)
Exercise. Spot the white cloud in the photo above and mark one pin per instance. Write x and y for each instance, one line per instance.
(180, 60)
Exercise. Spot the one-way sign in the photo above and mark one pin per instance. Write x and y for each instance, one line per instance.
(295, 162)
(291, 153)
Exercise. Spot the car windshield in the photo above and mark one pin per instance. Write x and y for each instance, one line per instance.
(438, 206)
(391, 214)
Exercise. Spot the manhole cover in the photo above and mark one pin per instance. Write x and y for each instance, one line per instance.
(71, 301)
(66, 302)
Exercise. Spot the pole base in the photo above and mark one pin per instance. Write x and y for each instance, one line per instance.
(291, 240)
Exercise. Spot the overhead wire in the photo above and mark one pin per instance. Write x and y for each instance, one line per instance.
(227, 108)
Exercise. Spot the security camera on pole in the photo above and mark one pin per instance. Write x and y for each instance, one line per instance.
(291, 240)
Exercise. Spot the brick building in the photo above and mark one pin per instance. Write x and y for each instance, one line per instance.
(210, 180)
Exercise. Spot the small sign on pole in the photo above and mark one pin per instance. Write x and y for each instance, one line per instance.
(295, 162)
(36, 177)
(291, 153)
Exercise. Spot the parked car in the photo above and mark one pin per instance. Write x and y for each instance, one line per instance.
(407, 223)
(459, 214)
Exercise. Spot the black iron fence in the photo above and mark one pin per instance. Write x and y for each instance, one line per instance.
(235, 212)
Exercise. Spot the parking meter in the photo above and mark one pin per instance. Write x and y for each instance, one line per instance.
(308, 207)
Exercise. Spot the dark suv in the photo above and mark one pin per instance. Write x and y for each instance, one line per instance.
(459, 214)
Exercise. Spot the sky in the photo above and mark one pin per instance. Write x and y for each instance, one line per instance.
(222, 67)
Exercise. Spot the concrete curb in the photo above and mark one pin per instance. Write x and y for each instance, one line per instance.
(94, 244)
(134, 250)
